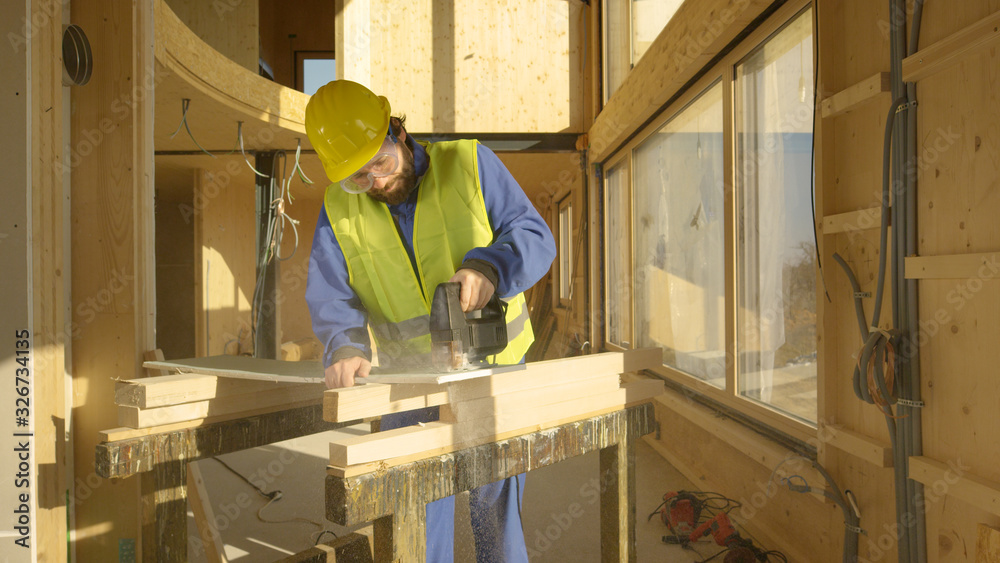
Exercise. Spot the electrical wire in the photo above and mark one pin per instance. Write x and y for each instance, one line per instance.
(185, 105)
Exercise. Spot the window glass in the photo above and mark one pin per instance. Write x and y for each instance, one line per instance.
(649, 17)
(678, 232)
(317, 72)
(776, 255)
(618, 284)
(630, 27)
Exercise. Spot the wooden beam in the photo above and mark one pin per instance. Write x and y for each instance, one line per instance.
(537, 398)
(235, 405)
(706, 27)
(765, 452)
(861, 93)
(167, 390)
(859, 445)
(204, 515)
(983, 266)
(939, 56)
(957, 482)
(376, 399)
(130, 456)
(50, 255)
(357, 447)
(987, 544)
(860, 220)
(350, 448)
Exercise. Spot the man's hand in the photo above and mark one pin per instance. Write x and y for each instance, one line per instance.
(476, 289)
(343, 372)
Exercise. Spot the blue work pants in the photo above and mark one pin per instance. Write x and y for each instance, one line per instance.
(494, 510)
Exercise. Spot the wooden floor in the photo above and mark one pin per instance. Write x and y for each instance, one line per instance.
(560, 511)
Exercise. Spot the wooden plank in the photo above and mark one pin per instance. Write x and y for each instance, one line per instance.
(861, 93)
(362, 468)
(537, 398)
(370, 400)
(942, 54)
(668, 65)
(860, 220)
(245, 367)
(351, 449)
(987, 544)
(983, 266)
(765, 452)
(204, 515)
(237, 405)
(958, 483)
(189, 387)
(141, 454)
(859, 445)
(354, 449)
(376, 399)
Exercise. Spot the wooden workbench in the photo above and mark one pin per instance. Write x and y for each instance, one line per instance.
(394, 497)
(161, 458)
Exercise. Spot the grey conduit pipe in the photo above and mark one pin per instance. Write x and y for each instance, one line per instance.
(911, 371)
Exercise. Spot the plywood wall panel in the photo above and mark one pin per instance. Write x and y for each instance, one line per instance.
(230, 27)
(958, 166)
(464, 66)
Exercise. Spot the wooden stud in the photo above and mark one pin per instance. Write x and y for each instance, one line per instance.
(860, 220)
(858, 445)
(979, 492)
(861, 93)
(983, 266)
(974, 38)
(152, 356)
(537, 398)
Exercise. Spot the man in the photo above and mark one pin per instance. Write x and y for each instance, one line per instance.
(399, 218)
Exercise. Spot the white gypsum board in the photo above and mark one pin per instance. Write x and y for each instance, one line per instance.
(379, 376)
(245, 367)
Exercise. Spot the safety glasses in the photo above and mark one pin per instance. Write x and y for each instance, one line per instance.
(384, 163)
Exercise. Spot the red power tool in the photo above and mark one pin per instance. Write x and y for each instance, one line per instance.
(681, 512)
(721, 529)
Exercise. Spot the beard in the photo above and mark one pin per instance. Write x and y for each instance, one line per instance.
(400, 185)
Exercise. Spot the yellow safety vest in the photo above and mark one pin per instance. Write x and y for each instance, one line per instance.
(449, 221)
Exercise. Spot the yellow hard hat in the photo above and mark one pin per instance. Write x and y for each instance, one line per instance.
(346, 124)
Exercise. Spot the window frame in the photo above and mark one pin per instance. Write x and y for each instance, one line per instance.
(723, 70)
(564, 241)
(625, 160)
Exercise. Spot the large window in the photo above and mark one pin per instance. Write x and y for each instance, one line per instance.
(678, 234)
(776, 308)
(716, 193)
(630, 26)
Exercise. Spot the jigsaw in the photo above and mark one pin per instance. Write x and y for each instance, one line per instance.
(460, 340)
